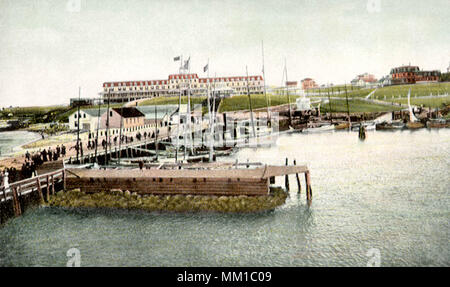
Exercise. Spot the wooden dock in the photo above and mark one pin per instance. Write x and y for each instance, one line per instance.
(228, 179)
(41, 186)
(212, 179)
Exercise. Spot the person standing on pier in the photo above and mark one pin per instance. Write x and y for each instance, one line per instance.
(33, 169)
(58, 150)
(44, 155)
(81, 149)
(63, 150)
(50, 154)
(27, 155)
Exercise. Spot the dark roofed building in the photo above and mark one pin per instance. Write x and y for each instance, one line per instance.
(127, 117)
(129, 112)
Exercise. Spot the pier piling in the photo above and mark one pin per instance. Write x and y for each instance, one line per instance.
(286, 178)
(16, 203)
(308, 188)
(298, 179)
(53, 185)
(38, 184)
(48, 189)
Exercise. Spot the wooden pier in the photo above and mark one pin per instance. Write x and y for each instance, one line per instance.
(130, 150)
(212, 179)
(220, 179)
(18, 193)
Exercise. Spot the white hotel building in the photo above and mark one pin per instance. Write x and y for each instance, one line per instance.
(134, 90)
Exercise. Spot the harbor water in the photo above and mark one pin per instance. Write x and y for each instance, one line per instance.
(388, 195)
(11, 141)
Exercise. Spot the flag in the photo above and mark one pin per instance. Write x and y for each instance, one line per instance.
(205, 68)
(176, 58)
(186, 64)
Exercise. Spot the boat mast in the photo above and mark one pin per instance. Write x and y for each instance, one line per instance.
(264, 83)
(250, 105)
(189, 106)
(329, 103)
(211, 144)
(98, 127)
(120, 133)
(107, 132)
(348, 109)
(179, 112)
(156, 133)
(287, 92)
(78, 122)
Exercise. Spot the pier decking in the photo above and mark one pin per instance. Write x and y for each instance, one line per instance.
(206, 179)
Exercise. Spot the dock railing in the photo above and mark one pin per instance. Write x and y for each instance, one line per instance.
(14, 191)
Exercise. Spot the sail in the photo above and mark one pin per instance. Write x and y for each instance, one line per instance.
(412, 118)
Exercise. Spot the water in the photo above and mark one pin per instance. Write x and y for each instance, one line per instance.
(11, 141)
(389, 192)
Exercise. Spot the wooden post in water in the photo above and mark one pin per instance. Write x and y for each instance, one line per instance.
(16, 203)
(308, 188)
(1, 212)
(48, 188)
(286, 177)
(38, 183)
(64, 179)
(298, 179)
(53, 185)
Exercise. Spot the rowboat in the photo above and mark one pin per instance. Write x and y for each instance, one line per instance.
(325, 128)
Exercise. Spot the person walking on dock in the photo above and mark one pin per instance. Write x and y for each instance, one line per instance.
(58, 150)
(81, 149)
(44, 155)
(50, 154)
(63, 150)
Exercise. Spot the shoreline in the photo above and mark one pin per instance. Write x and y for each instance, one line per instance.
(14, 150)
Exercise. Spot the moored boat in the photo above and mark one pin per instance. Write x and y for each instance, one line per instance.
(393, 125)
(325, 128)
(438, 123)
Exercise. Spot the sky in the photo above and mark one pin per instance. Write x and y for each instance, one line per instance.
(49, 48)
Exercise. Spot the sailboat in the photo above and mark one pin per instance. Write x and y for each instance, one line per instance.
(413, 123)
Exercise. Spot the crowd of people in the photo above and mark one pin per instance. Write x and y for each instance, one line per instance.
(92, 144)
(32, 162)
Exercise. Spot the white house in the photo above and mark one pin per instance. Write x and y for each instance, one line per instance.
(88, 118)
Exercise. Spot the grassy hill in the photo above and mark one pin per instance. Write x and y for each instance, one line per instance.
(355, 106)
(240, 102)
